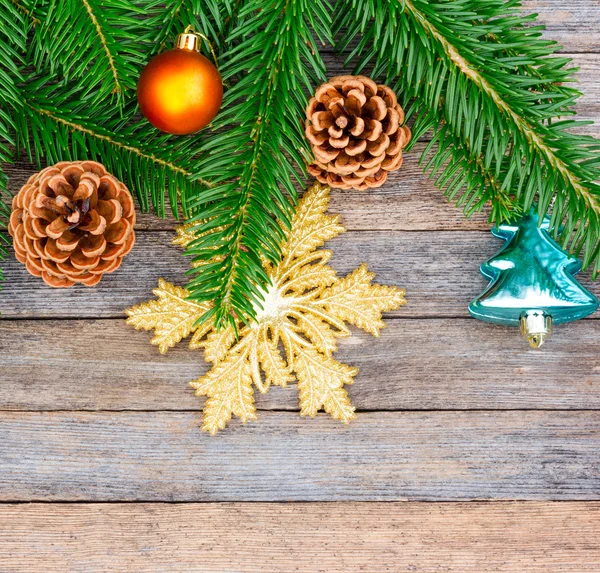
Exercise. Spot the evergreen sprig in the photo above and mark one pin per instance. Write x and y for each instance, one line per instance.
(495, 96)
(92, 40)
(476, 74)
(274, 60)
(14, 25)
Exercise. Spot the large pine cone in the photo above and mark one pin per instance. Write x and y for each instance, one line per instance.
(355, 130)
(71, 223)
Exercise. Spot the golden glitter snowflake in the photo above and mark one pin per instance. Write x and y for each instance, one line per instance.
(305, 311)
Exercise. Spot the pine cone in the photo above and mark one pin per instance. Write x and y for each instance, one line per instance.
(71, 223)
(355, 130)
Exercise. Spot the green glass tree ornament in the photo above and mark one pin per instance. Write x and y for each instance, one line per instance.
(532, 284)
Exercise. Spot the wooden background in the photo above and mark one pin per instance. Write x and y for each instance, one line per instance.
(471, 452)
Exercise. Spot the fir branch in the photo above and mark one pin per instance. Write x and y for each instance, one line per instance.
(14, 25)
(105, 45)
(241, 220)
(13, 37)
(112, 141)
(494, 94)
(149, 165)
(94, 44)
(533, 133)
(85, 122)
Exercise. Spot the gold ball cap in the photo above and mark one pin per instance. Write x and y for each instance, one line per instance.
(188, 41)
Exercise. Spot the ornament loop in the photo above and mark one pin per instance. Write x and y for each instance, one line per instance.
(190, 40)
(535, 326)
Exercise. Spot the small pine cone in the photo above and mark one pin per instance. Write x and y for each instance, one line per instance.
(71, 223)
(355, 130)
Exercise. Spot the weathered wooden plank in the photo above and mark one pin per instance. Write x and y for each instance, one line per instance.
(306, 538)
(163, 456)
(152, 256)
(415, 365)
(439, 270)
(409, 201)
(588, 105)
(574, 25)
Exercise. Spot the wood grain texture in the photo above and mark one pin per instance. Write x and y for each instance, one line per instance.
(301, 538)
(409, 201)
(440, 272)
(415, 365)
(163, 456)
(573, 24)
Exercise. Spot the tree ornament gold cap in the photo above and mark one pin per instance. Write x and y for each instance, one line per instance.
(189, 40)
(536, 327)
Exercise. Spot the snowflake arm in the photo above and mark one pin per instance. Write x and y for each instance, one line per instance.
(171, 316)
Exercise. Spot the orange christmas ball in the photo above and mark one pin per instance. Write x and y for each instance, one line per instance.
(180, 91)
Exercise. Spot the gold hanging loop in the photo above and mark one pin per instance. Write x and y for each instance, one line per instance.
(190, 40)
